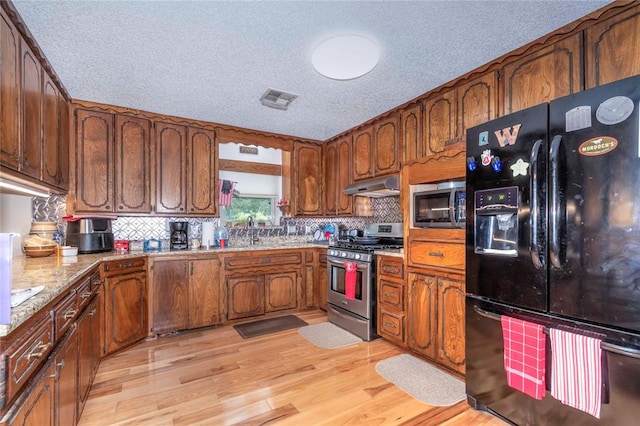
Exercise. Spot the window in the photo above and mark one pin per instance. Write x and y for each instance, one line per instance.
(261, 207)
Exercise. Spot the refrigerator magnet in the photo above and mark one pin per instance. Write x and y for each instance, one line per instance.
(520, 167)
(485, 157)
(614, 110)
(598, 146)
(483, 138)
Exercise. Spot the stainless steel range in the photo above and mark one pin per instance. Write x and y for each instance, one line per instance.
(357, 313)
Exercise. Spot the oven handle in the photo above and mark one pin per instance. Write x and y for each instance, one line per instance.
(361, 265)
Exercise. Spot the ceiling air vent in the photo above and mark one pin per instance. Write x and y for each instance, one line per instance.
(277, 99)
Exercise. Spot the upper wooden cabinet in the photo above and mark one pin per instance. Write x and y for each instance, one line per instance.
(376, 149)
(10, 89)
(132, 164)
(611, 48)
(31, 112)
(171, 168)
(202, 171)
(94, 161)
(448, 116)
(308, 188)
(411, 133)
(337, 172)
(542, 76)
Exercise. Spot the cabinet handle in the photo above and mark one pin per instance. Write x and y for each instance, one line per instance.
(107, 207)
(184, 269)
(38, 351)
(70, 314)
(93, 312)
(181, 209)
(191, 269)
(386, 293)
(85, 294)
(436, 254)
(126, 265)
(388, 324)
(121, 207)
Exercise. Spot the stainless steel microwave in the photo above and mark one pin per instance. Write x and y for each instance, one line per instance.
(441, 205)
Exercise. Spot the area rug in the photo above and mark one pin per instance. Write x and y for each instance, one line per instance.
(421, 380)
(328, 336)
(268, 326)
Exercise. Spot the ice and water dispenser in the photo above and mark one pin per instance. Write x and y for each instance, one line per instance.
(496, 221)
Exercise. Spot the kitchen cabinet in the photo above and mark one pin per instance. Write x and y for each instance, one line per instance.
(337, 174)
(10, 89)
(256, 283)
(376, 149)
(391, 299)
(321, 281)
(611, 48)
(36, 405)
(31, 112)
(125, 303)
(50, 132)
(89, 326)
(448, 115)
(307, 172)
(133, 172)
(541, 76)
(171, 168)
(185, 294)
(435, 326)
(202, 172)
(363, 154)
(94, 162)
(310, 276)
(65, 365)
(411, 133)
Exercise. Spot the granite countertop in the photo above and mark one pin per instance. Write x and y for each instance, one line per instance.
(57, 274)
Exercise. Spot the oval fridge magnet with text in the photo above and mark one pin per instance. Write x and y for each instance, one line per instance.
(598, 146)
(614, 110)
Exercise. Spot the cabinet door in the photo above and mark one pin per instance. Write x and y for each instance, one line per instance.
(125, 311)
(363, 154)
(391, 325)
(37, 408)
(542, 76)
(321, 282)
(171, 161)
(31, 112)
(202, 172)
(611, 48)
(9, 93)
(439, 122)
(170, 296)
(451, 349)
(476, 103)
(280, 291)
(411, 133)
(421, 327)
(66, 387)
(308, 164)
(344, 176)
(84, 325)
(331, 179)
(132, 164)
(204, 292)
(245, 297)
(63, 143)
(51, 131)
(94, 161)
(387, 146)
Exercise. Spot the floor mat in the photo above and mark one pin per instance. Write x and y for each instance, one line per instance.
(421, 380)
(328, 336)
(268, 326)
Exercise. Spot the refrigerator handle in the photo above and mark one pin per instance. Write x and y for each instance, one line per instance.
(554, 225)
(534, 217)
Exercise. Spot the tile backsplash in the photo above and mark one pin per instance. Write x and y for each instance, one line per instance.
(146, 227)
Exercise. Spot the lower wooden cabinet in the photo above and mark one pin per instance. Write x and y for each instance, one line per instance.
(89, 349)
(245, 297)
(391, 299)
(125, 303)
(66, 384)
(36, 404)
(321, 282)
(435, 325)
(185, 294)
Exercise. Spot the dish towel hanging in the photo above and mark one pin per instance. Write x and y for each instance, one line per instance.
(576, 370)
(524, 356)
(350, 277)
(225, 189)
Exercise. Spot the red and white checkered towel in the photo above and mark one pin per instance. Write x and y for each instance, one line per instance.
(524, 356)
(576, 371)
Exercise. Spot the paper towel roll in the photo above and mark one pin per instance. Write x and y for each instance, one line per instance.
(208, 234)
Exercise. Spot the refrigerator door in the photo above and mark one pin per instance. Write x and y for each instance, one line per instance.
(506, 209)
(594, 191)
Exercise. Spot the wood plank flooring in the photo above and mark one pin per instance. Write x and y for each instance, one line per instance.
(214, 377)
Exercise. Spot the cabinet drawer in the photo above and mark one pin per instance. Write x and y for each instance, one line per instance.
(391, 326)
(438, 254)
(271, 259)
(391, 295)
(64, 314)
(124, 266)
(28, 353)
(391, 267)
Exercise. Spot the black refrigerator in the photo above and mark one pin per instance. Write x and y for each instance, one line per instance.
(553, 238)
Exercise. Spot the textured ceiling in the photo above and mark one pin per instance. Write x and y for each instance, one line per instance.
(212, 60)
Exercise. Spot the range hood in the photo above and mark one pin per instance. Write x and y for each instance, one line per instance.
(387, 186)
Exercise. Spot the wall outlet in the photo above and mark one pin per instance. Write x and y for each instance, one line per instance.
(307, 230)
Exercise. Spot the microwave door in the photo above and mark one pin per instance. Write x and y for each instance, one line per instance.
(433, 209)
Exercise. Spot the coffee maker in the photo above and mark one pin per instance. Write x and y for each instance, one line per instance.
(179, 238)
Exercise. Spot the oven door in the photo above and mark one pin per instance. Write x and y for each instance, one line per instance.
(361, 305)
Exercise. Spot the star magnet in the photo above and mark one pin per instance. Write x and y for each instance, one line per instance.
(520, 168)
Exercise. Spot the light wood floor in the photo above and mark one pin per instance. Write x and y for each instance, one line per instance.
(214, 377)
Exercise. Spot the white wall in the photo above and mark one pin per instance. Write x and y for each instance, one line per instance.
(15, 217)
(231, 151)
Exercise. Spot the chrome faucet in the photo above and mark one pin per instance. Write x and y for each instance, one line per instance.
(251, 227)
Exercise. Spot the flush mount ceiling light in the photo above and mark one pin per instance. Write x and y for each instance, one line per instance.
(345, 57)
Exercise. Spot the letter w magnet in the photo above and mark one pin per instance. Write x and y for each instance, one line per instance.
(508, 136)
